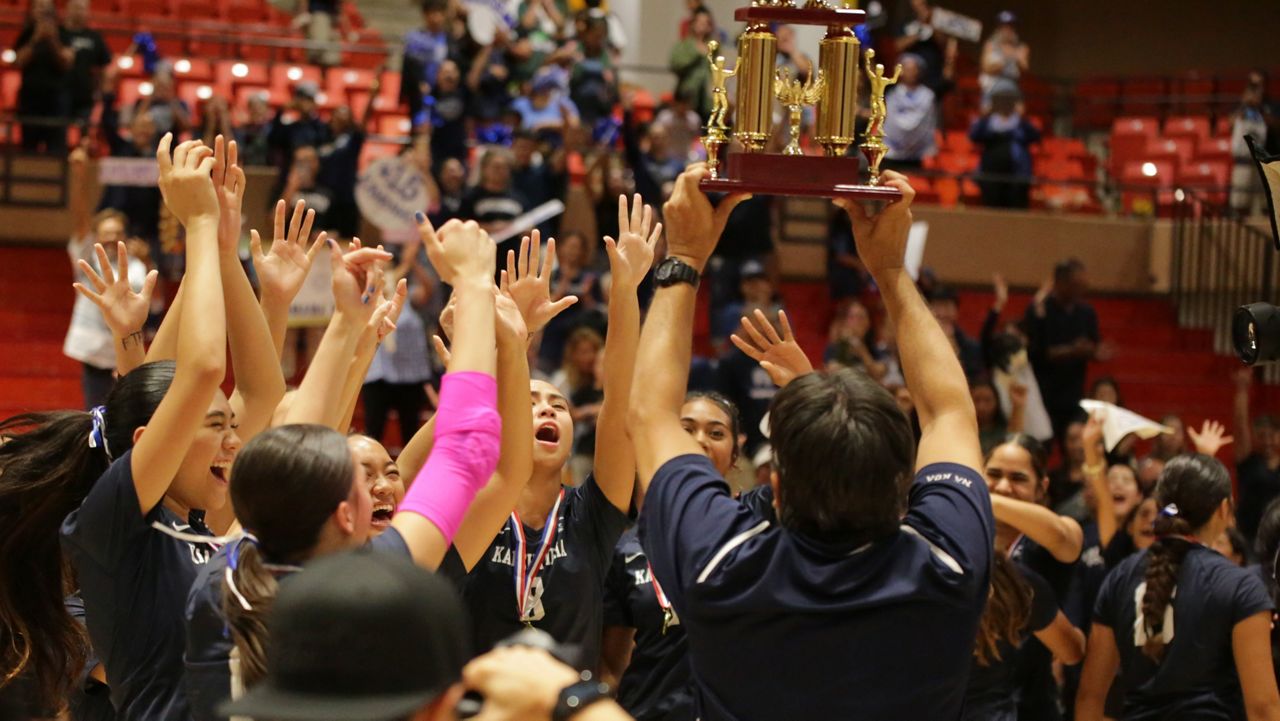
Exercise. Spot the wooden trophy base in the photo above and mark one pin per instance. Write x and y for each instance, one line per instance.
(815, 175)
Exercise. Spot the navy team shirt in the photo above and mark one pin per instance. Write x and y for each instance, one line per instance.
(880, 631)
(134, 579)
(568, 592)
(1196, 678)
(207, 661)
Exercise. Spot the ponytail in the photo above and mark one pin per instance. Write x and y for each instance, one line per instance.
(1190, 490)
(248, 590)
(46, 469)
(1007, 612)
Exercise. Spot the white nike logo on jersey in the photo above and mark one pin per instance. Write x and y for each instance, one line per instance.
(632, 557)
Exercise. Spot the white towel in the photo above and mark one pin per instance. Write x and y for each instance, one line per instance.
(1118, 422)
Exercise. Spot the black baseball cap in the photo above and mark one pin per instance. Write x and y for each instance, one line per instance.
(364, 635)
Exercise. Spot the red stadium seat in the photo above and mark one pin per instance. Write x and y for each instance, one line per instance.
(244, 92)
(1096, 104)
(1194, 93)
(1214, 149)
(230, 73)
(193, 69)
(285, 77)
(1129, 138)
(1187, 126)
(394, 126)
(142, 9)
(1207, 176)
(199, 10)
(1143, 96)
(1179, 150)
(10, 82)
(1139, 174)
(957, 141)
(340, 81)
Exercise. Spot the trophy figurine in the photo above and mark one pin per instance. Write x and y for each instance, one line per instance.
(746, 167)
(873, 147)
(794, 96)
(717, 130)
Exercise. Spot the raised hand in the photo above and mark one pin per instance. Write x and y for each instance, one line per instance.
(383, 320)
(530, 285)
(693, 226)
(780, 357)
(124, 310)
(1018, 394)
(229, 182)
(185, 180)
(882, 238)
(1001, 291)
(357, 278)
(1211, 438)
(510, 325)
(459, 251)
(632, 253)
(1092, 433)
(282, 270)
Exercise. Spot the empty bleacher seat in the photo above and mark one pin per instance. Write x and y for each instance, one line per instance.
(1187, 126)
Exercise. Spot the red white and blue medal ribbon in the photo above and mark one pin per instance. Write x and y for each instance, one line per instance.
(669, 617)
(525, 573)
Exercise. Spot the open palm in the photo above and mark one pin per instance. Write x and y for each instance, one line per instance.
(124, 310)
(631, 255)
(780, 356)
(530, 285)
(283, 269)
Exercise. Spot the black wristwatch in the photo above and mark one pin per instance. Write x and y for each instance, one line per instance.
(673, 270)
(578, 696)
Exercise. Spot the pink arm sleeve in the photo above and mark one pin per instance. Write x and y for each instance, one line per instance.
(467, 442)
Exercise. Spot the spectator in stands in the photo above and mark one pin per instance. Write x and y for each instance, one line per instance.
(325, 26)
(846, 275)
(493, 202)
(1257, 454)
(580, 378)
(453, 189)
(487, 84)
(215, 117)
(1062, 335)
(1004, 55)
(140, 204)
(340, 166)
(593, 82)
(945, 305)
(546, 111)
(91, 56)
(799, 64)
(304, 184)
(689, 62)
(993, 426)
(572, 276)
(755, 292)
(46, 56)
(1167, 445)
(401, 368)
(1005, 136)
(451, 99)
(252, 135)
(851, 343)
(682, 128)
(936, 50)
(911, 120)
(170, 113)
(1066, 482)
(538, 178)
(1258, 118)
(1105, 389)
(748, 235)
(305, 129)
(425, 50)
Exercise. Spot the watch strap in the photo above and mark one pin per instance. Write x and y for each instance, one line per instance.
(578, 696)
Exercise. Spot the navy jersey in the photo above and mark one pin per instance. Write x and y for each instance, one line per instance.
(90, 699)
(566, 598)
(881, 631)
(207, 661)
(993, 689)
(1196, 677)
(134, 573)
(1039, 698)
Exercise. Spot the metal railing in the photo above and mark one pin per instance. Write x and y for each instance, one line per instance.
(1219, 263)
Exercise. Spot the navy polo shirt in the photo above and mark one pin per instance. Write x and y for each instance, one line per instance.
(881, 631)
(1196, 678)
(207, 661)
(134, 579)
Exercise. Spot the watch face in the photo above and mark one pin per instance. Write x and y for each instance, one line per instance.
(664, 270)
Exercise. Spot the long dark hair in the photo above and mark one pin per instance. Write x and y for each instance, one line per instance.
(726, 406)
(1190, 491)
(285, 484)
(46, 469)
(1007, 612)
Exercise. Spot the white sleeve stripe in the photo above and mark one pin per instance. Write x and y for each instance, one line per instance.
(938, 553)
(733, 543)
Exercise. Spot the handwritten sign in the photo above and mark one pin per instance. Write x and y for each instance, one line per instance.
(957, 25)
(313, 305)
(389, 192)
(133, 172)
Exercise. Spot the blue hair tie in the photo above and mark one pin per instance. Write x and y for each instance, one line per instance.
(1169, 511)
(98, 434)
(233, 558)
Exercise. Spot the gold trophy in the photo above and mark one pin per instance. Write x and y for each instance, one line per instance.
(794, 96)
(873, 147)
(832, 89)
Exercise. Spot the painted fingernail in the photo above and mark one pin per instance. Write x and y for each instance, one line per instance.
(365, 298)
(420, 217)
(332, 243)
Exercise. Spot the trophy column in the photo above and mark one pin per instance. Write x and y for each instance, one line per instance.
(757, 55)
(838, 109)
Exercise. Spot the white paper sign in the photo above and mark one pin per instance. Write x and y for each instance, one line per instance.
(313, 305)
(530, 220)
(957, 25)
(133, 172)
(389, 192)
(914, 256)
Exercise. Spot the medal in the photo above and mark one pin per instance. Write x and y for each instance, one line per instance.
(525, 573)
(669, 617)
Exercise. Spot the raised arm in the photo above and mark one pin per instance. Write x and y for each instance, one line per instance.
(1100, 663)
(1095, 474)
(188, 191)
(468, 429)
(282, 270)
(780, 356)
(1061, 535)
(356, 280)
(949, 427)
(259, 381)
(629, 259)
(375, 331)
(693, 228)
(124, 311)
